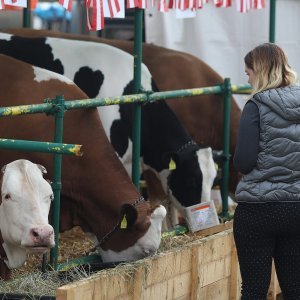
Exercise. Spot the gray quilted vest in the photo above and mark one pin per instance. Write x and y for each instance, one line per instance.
(276, 176)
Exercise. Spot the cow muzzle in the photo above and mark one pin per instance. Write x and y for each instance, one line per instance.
(40, 239)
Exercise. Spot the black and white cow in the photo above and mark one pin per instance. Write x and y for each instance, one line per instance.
(101, 70)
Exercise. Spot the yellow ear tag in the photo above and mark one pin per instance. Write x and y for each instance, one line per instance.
(124, 223)
(172, 165)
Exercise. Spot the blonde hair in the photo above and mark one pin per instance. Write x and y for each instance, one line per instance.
(270, 67)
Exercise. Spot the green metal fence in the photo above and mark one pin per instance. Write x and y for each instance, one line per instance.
(58, 106)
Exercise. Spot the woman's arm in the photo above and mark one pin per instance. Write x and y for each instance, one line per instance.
(246, 151)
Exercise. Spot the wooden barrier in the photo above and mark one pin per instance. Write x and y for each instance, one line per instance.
(205, 269)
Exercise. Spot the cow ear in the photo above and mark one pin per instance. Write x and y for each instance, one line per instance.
(128, 215)
(3, 169)
(185, 153)
(42, 168)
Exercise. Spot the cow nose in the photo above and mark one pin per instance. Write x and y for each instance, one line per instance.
(42, 235)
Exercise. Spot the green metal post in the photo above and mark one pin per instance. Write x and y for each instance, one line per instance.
(226, 147)
(58, 103)
(27, 15)
(137, 111)
(272, 21)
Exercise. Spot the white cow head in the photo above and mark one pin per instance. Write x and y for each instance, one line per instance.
(145, 246)
(24, 207)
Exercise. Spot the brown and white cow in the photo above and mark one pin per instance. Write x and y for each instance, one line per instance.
(202, 116)
(24, 207)
(162, 136)
(96, 189)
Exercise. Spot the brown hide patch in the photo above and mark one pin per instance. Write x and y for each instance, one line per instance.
(155, 190)
(86, 201)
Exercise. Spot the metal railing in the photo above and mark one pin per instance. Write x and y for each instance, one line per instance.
(58, 106)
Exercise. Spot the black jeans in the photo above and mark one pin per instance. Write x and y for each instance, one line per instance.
(263, 231)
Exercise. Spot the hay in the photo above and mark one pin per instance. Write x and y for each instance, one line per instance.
(42, 284)
(72, 244)
(30, 281)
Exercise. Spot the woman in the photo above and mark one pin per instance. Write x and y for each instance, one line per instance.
(267, 218)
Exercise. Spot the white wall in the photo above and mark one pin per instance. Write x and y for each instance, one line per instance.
(222, 36)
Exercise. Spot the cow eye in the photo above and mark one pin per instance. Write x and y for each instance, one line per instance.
(7, 196)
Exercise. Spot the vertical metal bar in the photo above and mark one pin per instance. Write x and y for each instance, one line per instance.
(136, 130)
(27, 15)
(226, 146)
(272, 21)
(56, 185)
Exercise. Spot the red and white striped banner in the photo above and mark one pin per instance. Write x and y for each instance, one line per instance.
(258, 4)
(142, 4)
(97, 21)
(113, 8)
(163, 6)
(132, 3)
(243, 6)
(67, 4)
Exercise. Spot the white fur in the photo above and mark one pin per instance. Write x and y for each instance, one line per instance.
(27, 208)
(145, 246)
(41, 75)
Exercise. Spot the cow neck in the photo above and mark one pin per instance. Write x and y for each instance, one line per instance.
(138, 201)
(164, 137)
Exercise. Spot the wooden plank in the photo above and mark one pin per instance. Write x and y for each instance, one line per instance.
(235, 284)
(138, 283)
(182, 286)
(215, 229)
(84, 290)
(108, 286)
(218, 290)
(216, 270)
(196, 272)
(175, 288)
(199, 269)
(167, 265)
(217, 246)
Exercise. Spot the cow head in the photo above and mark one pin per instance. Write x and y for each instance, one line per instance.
(193, 174)
(137, 220)
(24, 207)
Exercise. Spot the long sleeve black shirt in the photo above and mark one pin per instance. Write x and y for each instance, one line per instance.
(246, 151)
